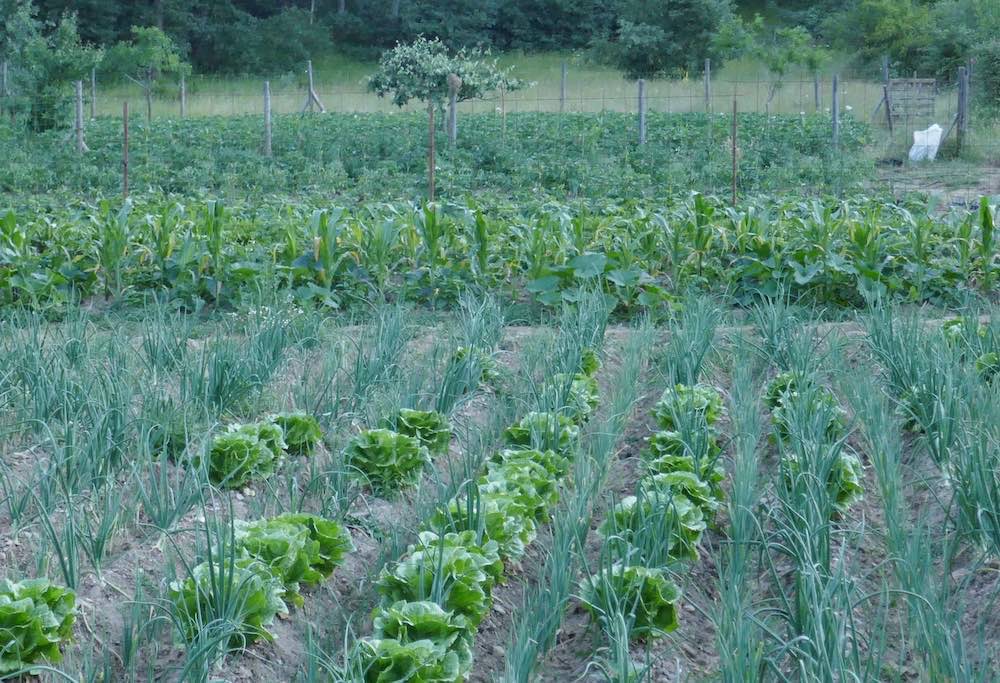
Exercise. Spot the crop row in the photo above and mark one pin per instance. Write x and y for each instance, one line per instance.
(438, 592)
(589, 155)
(832, 253)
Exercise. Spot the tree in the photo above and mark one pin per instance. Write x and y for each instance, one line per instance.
(662, 37)
(46, 65)
(426, 70)
(151, 52)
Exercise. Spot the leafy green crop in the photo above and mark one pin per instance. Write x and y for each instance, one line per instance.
(388, 460)
(269, 433)
(646, 594)
(453, 571)
(667, 453)
(387, 660)
(988, 365)
(409, 622)
(297, 547)
(488, 370)
(301, 431)
(679, 520)
(690, 486)
(237, 457)
(843, 482)
(577, 396)
(36, 618)
(428, 426)
(524, 480)
(681, 399)
(246, 593)
(784, 390)
(544, 431)
(500, 513)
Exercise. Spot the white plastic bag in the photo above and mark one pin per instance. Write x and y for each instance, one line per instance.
(925, 143)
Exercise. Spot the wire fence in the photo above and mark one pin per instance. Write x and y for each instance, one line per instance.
(958, 176)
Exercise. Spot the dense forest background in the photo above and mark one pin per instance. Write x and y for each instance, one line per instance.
(260, 36)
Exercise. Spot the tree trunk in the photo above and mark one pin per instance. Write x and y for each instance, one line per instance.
(395, 8)
(341, 6)
(158, 13)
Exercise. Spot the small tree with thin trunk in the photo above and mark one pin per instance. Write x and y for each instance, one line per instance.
(426, 70)
(151, 52)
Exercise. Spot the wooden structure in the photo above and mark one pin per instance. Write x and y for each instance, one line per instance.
(911, 99)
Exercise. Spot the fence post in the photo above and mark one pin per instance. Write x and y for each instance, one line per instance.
(93, 93)
(708, 85)
(735, 166)
(642, 111)
(183, 97)
(454, 84)
(81, 145)
(430, 152)
(816, 100)
(962, 117)
(888, 106)
(149, 95)
(835, 111)
(125, 149)
(562, 89)
(885, 69)
(3, 86)
(267, 118)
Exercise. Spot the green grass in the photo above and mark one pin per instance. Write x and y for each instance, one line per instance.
(341, 83)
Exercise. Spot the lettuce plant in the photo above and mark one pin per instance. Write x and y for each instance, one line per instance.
(648, 595)
(500, 514)
(590, 362)
(526, 481)
(388, 460)
(451, 570)
(668, 453)
(681, 399)
(387, 660)
(269, 433)
(237, 457)
(544, 431)
(555, 464)
(243, 594)
(428, 426)
(689, 485)
(298, 548)
(784, 389)
(843, 483)
(488, 369)
(582, 398)
(988, 365)
(408, 622)
(302, 432)
(662, 513)
(36, 618)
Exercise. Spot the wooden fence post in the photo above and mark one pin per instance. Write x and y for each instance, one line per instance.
(642, 111)
(430, 152)
(885, 69)
(888, 107)
(81, 145)
(708, 84)
(562, 89)
(149, 95)
(962, 116)
(267, 118)
(125, 149)
(93, 93)
(3, 86)
(183, 97)
(835, 111)
(816, 99)
(735, 166)
(454, 85)
(311, 97)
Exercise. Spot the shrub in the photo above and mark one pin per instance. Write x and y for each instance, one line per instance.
(36, 618)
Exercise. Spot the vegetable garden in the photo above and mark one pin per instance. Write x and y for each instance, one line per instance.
(581, 419)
